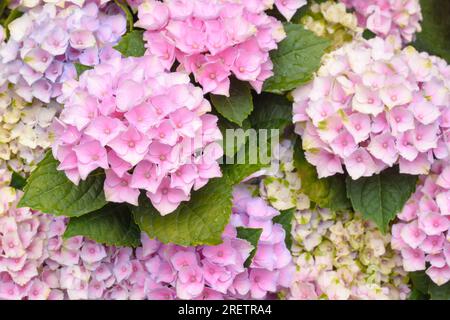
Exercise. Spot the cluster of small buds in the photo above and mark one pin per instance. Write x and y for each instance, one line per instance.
(339, 256)
(371, 106)
(423, 233)
(130, 114)
(330, 20)
(24, 130)
(45, 42)
(399, 18)
(281, 184)
(215, 39)
(37, 263)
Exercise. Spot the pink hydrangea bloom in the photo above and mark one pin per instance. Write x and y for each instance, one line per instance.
(46, 40)
(371, 107)
(37, 263)
(422, 234)
(400, 18)
(215, 39)
(24, 5)
(147, 128)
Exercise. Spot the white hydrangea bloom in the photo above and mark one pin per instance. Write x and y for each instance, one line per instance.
(24, 130)
(340, 256)
(281, 184)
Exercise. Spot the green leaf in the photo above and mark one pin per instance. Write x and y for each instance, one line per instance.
(199, 221)
(252, 235)
(48, 190)
(380, 197)
(417, 295)
(236, 171)
(367, 34)
(13, 15)
(435, 35)
(237, 107)
(81, 68)
(422, 284)
(328, 192)
(298, 56)
(272, 111)
(130, 20)
(285, 219)
(420, 281)
(111, 225)
(132, 44)
(439, 292)
(231, 143)
(17, 181)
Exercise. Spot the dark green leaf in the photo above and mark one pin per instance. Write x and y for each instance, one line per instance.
(367, 34)
(298, 56)
(328, 192)
(48, 190)
(271, 112)
(244, 164)
(199, 221)
(17, 181)
(439, 292)
(252, 236)
(132, 44)
(232, 142)
(237, 107)
(285, 219)
(417, 295)
(380, 197)
(111, 225)
(422, 284)
(435, 35)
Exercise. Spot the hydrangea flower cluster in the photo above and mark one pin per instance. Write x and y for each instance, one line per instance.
(371, 107)
(340, 257)
(281, 186)
(29, 4)
(23, 241)
(215, 39)
(45, 42)
(423, 233)
(129, 114)
(24, 130)
(330, 20)
(399, 18)
(37, 263)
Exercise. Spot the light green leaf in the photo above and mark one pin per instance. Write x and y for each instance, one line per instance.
(48, 190)
(132, 44)
(435, 35)
(237, 107)
(298, 56)
(251, 235)
(81, 68)
(285, 219)
(111, 225)
(380, 197)
(328, 192)
(130, 20)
